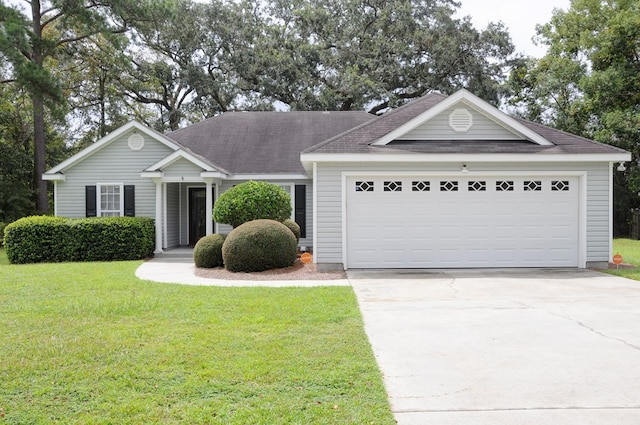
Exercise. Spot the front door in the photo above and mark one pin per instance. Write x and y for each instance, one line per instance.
(197, 214)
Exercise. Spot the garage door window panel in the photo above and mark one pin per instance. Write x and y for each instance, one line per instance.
(477, 186)
(559, 185)
(420, 186)
(532, 186)
(448, 186)
(392, 186)
(364, 186)
(504, 186)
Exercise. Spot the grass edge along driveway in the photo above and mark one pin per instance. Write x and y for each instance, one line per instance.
(630, 251)
(88, 343)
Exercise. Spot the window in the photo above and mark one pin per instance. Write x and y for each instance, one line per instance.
(289, 189)
(504, 186)
(532, 186)
(364, 186)
(559, 185)
(448, 186)
(392, 186)
(477, 186)
(420, 186)
(110, 200)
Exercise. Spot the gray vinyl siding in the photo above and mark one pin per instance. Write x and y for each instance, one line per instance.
(438, 128)
(182, 168)
(99, 168)
(173, 215)
(328, 247)
(308, 241)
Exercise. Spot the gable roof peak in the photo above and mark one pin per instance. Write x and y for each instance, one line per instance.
(465, 97)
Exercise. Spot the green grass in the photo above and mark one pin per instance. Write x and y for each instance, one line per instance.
(630, 251)
(88, 343)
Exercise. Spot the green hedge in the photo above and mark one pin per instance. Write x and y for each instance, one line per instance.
(40, 239)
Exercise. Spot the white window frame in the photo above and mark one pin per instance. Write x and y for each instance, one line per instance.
(291, 191)
(99, 211)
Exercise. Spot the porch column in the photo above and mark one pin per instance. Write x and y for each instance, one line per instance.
(209, 205)
(158, 220)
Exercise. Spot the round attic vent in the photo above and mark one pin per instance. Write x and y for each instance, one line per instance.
(136, 142)
(460, 120)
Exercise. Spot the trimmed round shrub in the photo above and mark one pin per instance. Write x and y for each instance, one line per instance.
(208, 251)
(259, 245)
(293, 226)
(252, 200)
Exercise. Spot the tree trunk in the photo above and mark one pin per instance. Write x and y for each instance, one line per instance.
(39, 142)
(40, 185)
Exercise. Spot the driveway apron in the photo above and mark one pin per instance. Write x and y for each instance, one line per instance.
(544, 346)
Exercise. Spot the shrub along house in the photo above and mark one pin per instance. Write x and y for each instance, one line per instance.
(444, 181)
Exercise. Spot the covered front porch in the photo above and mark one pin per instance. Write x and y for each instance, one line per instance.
(185, 191)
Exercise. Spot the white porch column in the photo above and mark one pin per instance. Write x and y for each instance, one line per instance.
(158, 220)
(209, 205)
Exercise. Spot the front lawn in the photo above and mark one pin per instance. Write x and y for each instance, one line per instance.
(88, 343)
(630, 251)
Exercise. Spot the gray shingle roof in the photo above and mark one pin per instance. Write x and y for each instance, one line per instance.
(263, 142)
(359, 139)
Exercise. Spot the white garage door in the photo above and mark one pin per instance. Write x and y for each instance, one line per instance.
(451, 222)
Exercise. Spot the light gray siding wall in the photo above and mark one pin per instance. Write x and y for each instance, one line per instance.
(173, 215)
(328, 247)
(308, 241)
(115, 163)
(438, 128)
(182, 168)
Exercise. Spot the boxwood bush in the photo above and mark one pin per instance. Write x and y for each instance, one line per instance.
(207, 252)
(39, 239)
(252, 200)
(259, 245)
(294, 227)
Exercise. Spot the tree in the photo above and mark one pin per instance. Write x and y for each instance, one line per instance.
(15, 155)
(355, 54)
(176, 64)
(588, 83)
(31, 40)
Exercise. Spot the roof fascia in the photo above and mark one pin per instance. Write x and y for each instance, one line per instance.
(106, 140)
(308, 158)
(474, 102)
(269, 177)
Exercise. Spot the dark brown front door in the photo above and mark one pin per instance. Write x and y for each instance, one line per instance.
(197, 214)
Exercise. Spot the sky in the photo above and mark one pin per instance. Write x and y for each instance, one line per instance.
(519, 16)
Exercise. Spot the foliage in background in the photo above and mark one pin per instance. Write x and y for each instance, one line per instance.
(376, 54)
(39, 239)
(588, 84)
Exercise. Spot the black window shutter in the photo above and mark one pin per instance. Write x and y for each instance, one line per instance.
(129, 201)
(300, 212)
(91, 209)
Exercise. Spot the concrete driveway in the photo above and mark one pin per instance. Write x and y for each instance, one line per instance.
(505, 346)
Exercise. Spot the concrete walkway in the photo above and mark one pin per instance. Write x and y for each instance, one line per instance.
(179, 268)
(490, 347)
